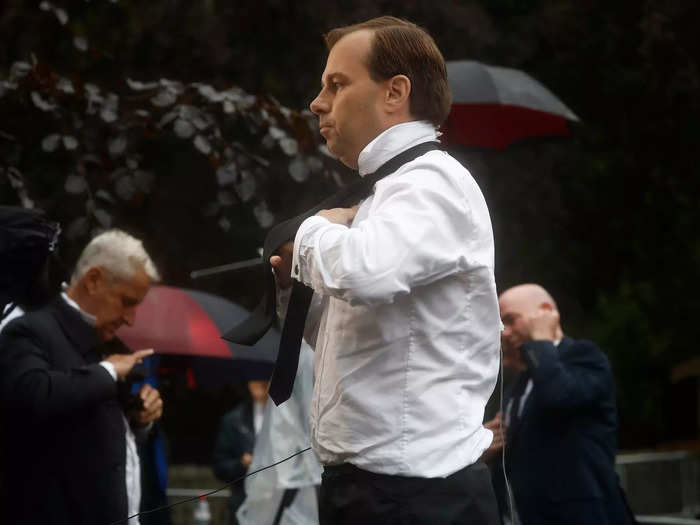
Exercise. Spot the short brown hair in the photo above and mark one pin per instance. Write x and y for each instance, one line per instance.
(400, 47)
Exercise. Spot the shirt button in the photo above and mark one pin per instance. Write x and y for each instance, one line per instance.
(296, 269)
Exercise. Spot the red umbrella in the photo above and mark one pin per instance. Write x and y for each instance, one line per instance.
(189, 322)
(493, 107)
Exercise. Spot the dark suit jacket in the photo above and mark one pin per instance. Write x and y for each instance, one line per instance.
(65, 454)
(236, 437)
(561, 458)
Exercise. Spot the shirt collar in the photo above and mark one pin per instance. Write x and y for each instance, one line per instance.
(393, 141)
(88, 318)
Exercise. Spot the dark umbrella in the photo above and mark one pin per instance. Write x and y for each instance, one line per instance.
(493, 107)
(189, 322)
(27, 238)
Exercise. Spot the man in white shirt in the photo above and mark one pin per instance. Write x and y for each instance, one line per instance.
(404, 320)
(69, 428)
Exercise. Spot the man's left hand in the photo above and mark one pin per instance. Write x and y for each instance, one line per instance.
(498, 428)
(543, 324)
(152, 406)
(281, 263)
(342, 216)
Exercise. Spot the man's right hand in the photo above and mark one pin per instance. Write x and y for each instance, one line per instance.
(342, 216)
(543, 324)
(281, 264)
(123, 363)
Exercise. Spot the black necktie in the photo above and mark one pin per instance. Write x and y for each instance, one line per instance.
(260, 320)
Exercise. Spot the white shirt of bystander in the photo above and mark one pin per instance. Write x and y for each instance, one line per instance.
(404, 321)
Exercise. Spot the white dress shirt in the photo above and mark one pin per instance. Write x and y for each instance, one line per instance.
(404, 320)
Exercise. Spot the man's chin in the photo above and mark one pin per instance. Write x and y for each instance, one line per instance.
(338, 155)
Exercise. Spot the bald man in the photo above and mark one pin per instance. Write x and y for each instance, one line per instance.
(560, 418)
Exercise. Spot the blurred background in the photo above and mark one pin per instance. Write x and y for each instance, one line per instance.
(186, 124)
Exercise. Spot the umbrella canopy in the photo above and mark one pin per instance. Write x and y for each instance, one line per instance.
(189, 322)
(493, 107)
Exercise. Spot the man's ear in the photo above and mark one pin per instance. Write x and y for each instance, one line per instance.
(398, 93)
(94, 279)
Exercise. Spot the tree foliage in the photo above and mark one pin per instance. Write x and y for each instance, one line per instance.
(97, 151)
(163, 118)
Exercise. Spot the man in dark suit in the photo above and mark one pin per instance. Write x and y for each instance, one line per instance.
(561, 418)
(233, 452)
(71, 455)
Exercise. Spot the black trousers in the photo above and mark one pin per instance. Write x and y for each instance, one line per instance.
(352, 496)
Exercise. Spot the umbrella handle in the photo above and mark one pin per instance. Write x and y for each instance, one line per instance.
(232, 267)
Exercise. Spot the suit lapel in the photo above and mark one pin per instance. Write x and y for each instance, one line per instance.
(76, 330)
(563, 346)
(527, 401)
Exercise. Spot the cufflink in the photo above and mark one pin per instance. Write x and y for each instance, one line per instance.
(296, 269)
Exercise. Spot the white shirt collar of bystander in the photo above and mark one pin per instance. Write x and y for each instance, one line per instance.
(393, 141)
(89, 319)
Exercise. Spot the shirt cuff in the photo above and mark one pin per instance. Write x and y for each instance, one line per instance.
(301, 245)
(110, 368)
(141, 433)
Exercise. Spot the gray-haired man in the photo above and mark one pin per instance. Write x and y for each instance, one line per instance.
(71, 454)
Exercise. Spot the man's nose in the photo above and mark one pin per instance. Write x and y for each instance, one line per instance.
(319, 104)
(130, 315)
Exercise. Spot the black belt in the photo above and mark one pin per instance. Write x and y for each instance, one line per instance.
(348, 469)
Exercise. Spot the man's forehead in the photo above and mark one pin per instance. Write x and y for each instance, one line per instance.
(357, 40)
(134, 294)
(506, 311)
(526, 296)
(520, 301)
(511, 303)
(136, 283)
(348, 53)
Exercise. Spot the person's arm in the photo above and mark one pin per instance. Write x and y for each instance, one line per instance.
(229, 462)
(579, 378)
(151, 410)
(573, 375)
(35, 392)
(419, 230)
